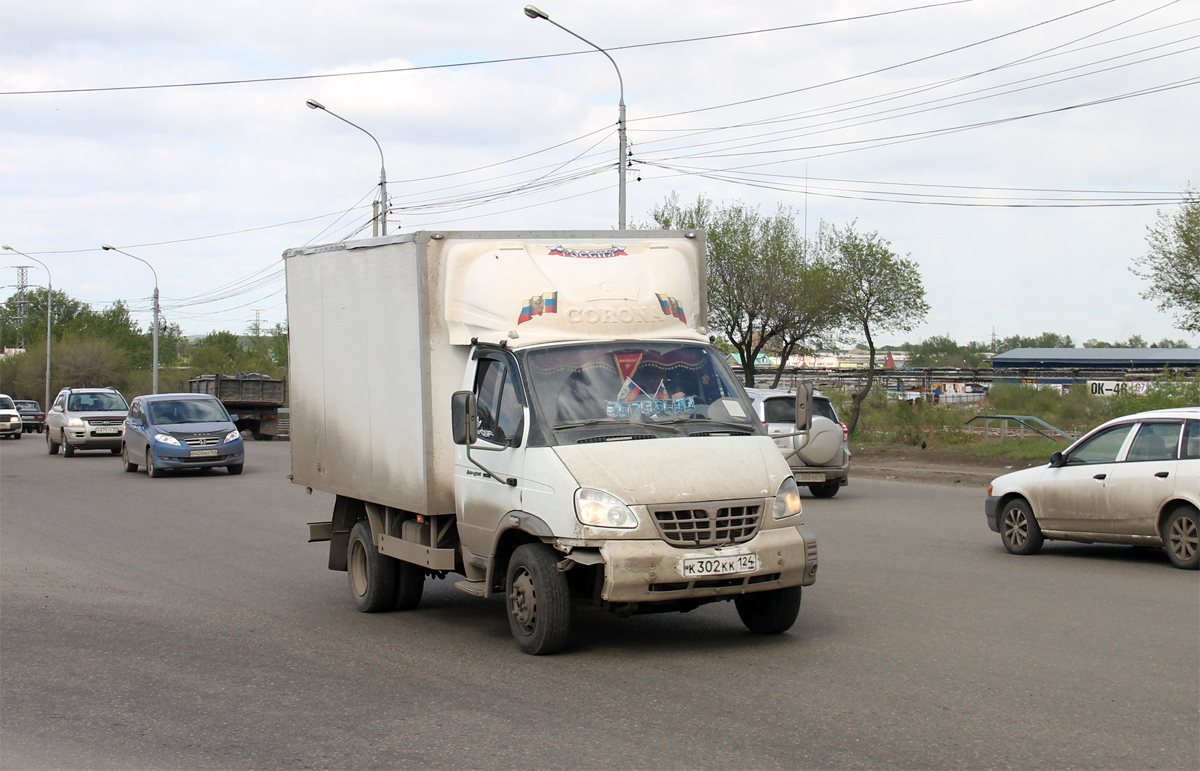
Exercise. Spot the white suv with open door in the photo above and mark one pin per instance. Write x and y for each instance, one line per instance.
(818, 450)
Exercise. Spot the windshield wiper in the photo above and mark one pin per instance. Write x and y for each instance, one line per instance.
(613, 423)
(744, 426)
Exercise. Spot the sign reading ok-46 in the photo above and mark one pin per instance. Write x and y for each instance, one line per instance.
(1114, 387)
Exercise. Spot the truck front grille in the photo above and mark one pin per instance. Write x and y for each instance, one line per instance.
(708, 524)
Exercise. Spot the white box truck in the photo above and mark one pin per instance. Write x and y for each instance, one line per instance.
(542, 413)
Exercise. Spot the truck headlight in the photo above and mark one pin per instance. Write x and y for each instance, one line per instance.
(234, 434)
(596, 508)
(787, 500)
(75, 422)
(166, 439)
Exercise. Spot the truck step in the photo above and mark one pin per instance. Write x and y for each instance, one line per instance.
(471, 587)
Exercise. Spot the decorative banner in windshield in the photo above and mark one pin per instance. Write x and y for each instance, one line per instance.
(588, 254)
(627, 363)
(536, 306)
(652, 407)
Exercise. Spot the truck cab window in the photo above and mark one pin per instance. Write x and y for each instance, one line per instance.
(500, 411)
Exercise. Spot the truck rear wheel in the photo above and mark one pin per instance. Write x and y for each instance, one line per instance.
(538, 600)
(770, 612)
(372, 575)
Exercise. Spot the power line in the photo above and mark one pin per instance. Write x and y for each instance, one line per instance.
(506, 60)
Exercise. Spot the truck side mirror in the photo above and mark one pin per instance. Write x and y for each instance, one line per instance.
(804, 406)
(1057, 461)
(462, 417)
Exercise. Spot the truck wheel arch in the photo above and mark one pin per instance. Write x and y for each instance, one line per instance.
(347, 512)
(516, 529)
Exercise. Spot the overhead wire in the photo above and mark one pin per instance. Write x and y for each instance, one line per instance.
(506, 60)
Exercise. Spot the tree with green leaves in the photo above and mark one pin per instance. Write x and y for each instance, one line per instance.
(880, 292)
(1172, 264)
(1044, 340)
(764, 294)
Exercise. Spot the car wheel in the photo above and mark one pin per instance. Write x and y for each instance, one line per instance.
(372, 575)
(68, 448)
(235, 469)
(770, 612)
(152, 471)
(1019, 529)
(51, 447)
(537, 599)
(1181, 536)
(825, 490)
(17, 436)
(130, 467)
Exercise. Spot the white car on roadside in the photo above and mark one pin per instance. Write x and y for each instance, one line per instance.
(10, 418)
(1133, 480)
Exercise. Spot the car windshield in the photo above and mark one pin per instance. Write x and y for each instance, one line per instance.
(646, 383)
(97, 402)
(188, 411)
(6, 403)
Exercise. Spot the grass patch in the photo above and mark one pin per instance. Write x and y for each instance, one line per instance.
(1035, 448)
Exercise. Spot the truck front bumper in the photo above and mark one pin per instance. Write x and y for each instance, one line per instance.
(652, 571)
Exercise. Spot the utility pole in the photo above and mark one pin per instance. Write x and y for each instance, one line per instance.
(22, 301)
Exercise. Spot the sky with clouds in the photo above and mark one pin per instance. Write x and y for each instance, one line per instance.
(1016, 150)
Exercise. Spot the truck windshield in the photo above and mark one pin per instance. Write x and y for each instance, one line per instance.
(682, 388)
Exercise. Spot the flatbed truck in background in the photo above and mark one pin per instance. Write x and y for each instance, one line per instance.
(256, 399)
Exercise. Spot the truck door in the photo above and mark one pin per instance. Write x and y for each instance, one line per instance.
(481, 500)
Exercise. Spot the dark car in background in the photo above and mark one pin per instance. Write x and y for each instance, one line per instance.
(32, 416)
(181, 431)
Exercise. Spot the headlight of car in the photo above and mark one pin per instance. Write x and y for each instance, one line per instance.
(75, 422)
(14, 419)
(787, 500)
(166, 439)
(596, 508)
(234, 434)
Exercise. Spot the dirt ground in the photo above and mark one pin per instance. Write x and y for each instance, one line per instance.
(939, 467)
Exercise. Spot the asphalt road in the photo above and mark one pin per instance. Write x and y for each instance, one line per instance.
(185, 622)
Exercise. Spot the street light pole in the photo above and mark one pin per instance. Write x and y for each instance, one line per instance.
(49, 304)
(535, 13)
(154, 377)
(313, 104)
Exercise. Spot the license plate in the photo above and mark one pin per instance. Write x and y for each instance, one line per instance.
(719, 566)
(811, 476)
(106, 431)
(203, 454)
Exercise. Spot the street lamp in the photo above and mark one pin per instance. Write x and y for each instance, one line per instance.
(535, 13)
(381, 218)
(49, 303)
(154, 377)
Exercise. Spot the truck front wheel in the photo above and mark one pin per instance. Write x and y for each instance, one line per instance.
(372, 575)
(770, 612)
(538, 600)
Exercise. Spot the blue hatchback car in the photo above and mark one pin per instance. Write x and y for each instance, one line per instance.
(180, 431)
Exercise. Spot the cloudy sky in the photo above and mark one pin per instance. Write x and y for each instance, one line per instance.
(1016, 149)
